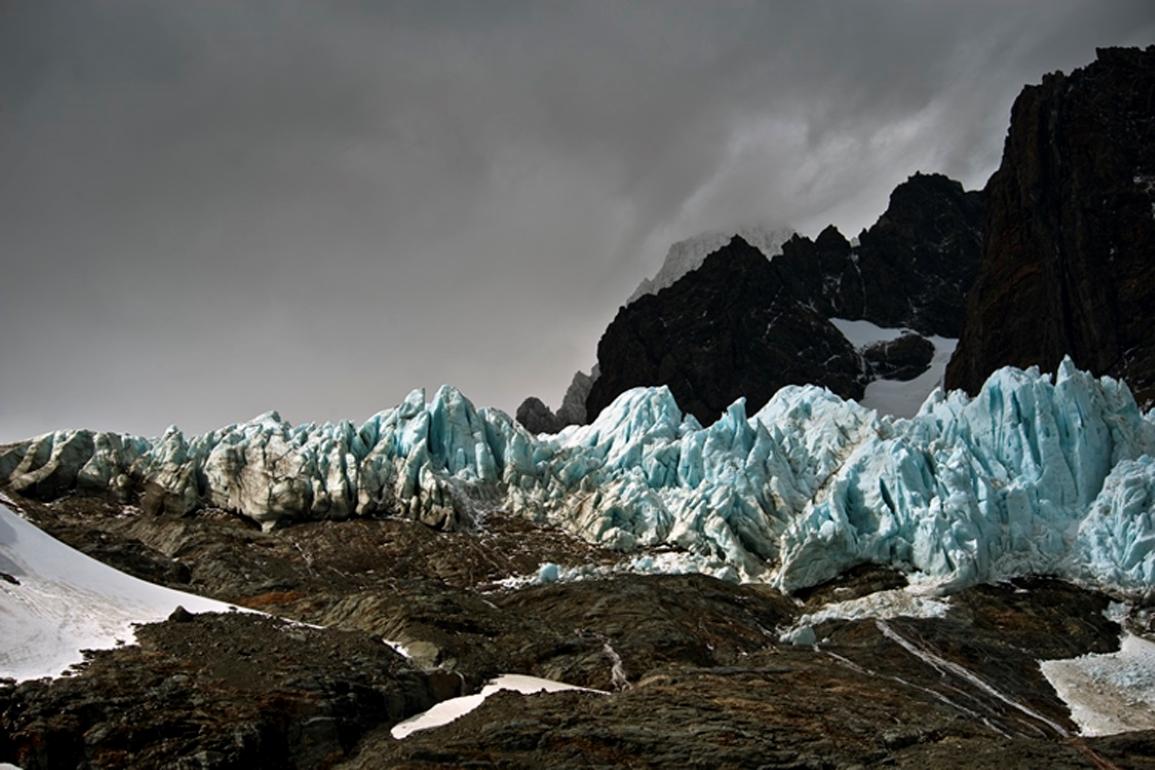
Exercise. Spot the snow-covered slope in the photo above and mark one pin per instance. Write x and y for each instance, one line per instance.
(1009, 482)
(897, 398)
(689, 254)
(55, 602)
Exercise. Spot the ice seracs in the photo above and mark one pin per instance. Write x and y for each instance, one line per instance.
(1036, 474)
(687, 255)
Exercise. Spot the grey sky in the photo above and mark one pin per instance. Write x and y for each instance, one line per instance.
(212, 208)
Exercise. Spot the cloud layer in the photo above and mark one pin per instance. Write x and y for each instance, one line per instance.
(216, 208)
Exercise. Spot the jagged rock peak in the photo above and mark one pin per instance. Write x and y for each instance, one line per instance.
(911, 269)
(726, 330)
(688, 254)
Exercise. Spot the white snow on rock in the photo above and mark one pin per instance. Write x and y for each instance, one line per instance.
(1007, 483)
(685, 256)
(1109, 693)
(448, 710)
(63, 602)
(883, 605)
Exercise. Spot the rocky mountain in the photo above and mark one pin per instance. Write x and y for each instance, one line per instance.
(1068, 266)
(729, 329)
(911, 269)
(802, 582)
(709, 338)
(536, 417)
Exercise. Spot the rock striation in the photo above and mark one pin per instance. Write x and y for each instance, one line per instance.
(1068, 266)
(807, 487)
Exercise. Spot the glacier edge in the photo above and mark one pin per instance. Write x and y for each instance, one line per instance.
(1036, 474)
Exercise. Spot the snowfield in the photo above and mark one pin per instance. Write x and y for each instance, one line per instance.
(896, 397)
(63, 602)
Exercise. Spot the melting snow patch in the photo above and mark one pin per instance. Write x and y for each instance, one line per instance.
(1109, 693)
(448, 710)
(63, 602)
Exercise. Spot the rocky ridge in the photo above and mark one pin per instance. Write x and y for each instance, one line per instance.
(729, 329)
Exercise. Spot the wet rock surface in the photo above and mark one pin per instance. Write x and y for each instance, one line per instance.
(701, 679)
(1068, 261)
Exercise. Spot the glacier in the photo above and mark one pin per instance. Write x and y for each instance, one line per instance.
(1038, 473)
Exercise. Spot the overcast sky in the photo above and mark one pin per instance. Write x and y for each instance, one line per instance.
(211, 208)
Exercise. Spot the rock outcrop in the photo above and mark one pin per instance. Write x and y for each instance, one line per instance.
(536, 417)
(1068, 266)
(900, 359)
(730, 329)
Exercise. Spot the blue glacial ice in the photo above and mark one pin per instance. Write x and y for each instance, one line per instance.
(1037, 474)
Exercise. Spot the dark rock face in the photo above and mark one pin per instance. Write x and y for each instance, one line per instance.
(731, 328)
(912, 268)
(742, 325)
(902, 359)
(1068, 266)
(536, 417)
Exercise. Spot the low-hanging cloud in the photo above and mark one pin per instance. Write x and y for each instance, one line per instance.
(215, 208)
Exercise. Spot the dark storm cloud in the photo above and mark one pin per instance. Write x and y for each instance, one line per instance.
(213, 208)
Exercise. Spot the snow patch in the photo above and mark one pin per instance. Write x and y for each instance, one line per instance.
(449, 710)
(863, 334)
(894, 397)
(903, 399)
